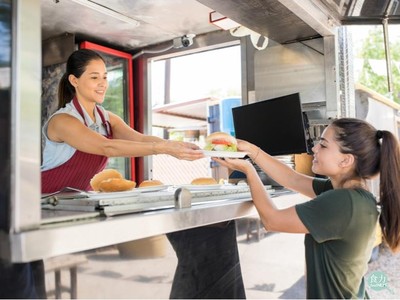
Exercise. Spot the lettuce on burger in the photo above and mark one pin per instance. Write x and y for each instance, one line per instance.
(220, 141)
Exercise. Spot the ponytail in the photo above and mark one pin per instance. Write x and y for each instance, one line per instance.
(65, 91)
(389, 189)
(376, 152)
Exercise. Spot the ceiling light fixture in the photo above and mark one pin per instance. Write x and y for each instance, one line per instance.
(107, 11)
(221, 21)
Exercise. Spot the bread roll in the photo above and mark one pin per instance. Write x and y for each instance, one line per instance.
(204, 181)
(116, 185)
(147, 183)
(104, 175)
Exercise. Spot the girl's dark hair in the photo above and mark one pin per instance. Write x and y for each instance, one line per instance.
(375, 152)
(76, 65)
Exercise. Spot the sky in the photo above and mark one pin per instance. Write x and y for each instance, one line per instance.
(194, 76)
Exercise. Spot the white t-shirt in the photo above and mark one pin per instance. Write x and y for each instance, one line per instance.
(54, 153)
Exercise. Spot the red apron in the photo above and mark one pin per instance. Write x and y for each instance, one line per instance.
(80, 168)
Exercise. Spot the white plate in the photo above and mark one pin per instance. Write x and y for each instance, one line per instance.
(229, 154)
(152, 188)
(105, 195)
(201, 187)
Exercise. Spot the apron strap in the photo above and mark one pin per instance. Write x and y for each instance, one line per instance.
(79, 109)
(106, 123)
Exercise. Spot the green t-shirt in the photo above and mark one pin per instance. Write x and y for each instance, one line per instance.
(342, 225)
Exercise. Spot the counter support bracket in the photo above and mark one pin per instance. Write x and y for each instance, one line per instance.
(183, 198)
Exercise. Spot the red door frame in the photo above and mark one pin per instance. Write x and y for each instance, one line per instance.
(128, 57)
(139, 68)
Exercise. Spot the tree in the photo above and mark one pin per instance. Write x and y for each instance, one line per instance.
(374, 49)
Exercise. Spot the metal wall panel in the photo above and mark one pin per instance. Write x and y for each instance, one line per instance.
(287, 69)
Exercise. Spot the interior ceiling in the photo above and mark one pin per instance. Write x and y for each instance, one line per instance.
(164, 20)
(160, 21)
(267, 17)
(364, 11)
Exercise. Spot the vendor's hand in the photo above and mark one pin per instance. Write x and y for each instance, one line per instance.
(241, 165)
(183, 150)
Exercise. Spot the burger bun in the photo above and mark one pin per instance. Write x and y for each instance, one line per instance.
(104, 175)
(148, 183)
(116, 185)
(204, 181)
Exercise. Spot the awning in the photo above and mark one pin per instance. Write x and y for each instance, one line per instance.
(191, 113)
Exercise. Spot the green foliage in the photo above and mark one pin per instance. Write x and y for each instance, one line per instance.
(114, 100)
(373, 48)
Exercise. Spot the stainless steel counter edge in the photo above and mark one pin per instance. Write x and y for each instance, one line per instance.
(70, 237)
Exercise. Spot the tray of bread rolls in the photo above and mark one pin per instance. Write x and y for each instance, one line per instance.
(113, 195)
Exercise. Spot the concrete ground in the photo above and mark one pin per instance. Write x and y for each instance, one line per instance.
(383, 277)
(272, 268)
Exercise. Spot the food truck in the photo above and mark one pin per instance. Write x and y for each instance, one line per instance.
(286, 47)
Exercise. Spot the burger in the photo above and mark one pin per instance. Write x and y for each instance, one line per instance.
(220, 141)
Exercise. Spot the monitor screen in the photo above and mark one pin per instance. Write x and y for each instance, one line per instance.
(275, 125)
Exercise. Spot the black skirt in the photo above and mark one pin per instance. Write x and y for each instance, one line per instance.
(208, 263)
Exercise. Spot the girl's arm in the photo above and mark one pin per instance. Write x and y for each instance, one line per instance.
(279, 171)
(274, 219)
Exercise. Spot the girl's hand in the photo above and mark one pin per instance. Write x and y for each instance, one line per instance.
(244, 146)
(251, 149)
(241, 165)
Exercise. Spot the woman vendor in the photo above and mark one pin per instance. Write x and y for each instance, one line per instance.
(81, 134)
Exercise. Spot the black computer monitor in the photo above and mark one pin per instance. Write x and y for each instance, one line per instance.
(276, 125)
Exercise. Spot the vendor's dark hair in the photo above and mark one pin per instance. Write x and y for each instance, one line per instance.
(375, 152)
(76, 65)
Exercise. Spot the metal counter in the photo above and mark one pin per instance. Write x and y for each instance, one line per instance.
(91, 230)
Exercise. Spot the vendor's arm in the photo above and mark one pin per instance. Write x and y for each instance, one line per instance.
(122, 131)
(278, 171)
(274, 219)
(68, 129)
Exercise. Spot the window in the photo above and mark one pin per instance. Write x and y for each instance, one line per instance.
(214, 73)
(186, 86)
(370, 60)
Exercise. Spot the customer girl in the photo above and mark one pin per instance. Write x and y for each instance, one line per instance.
(340, 221)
